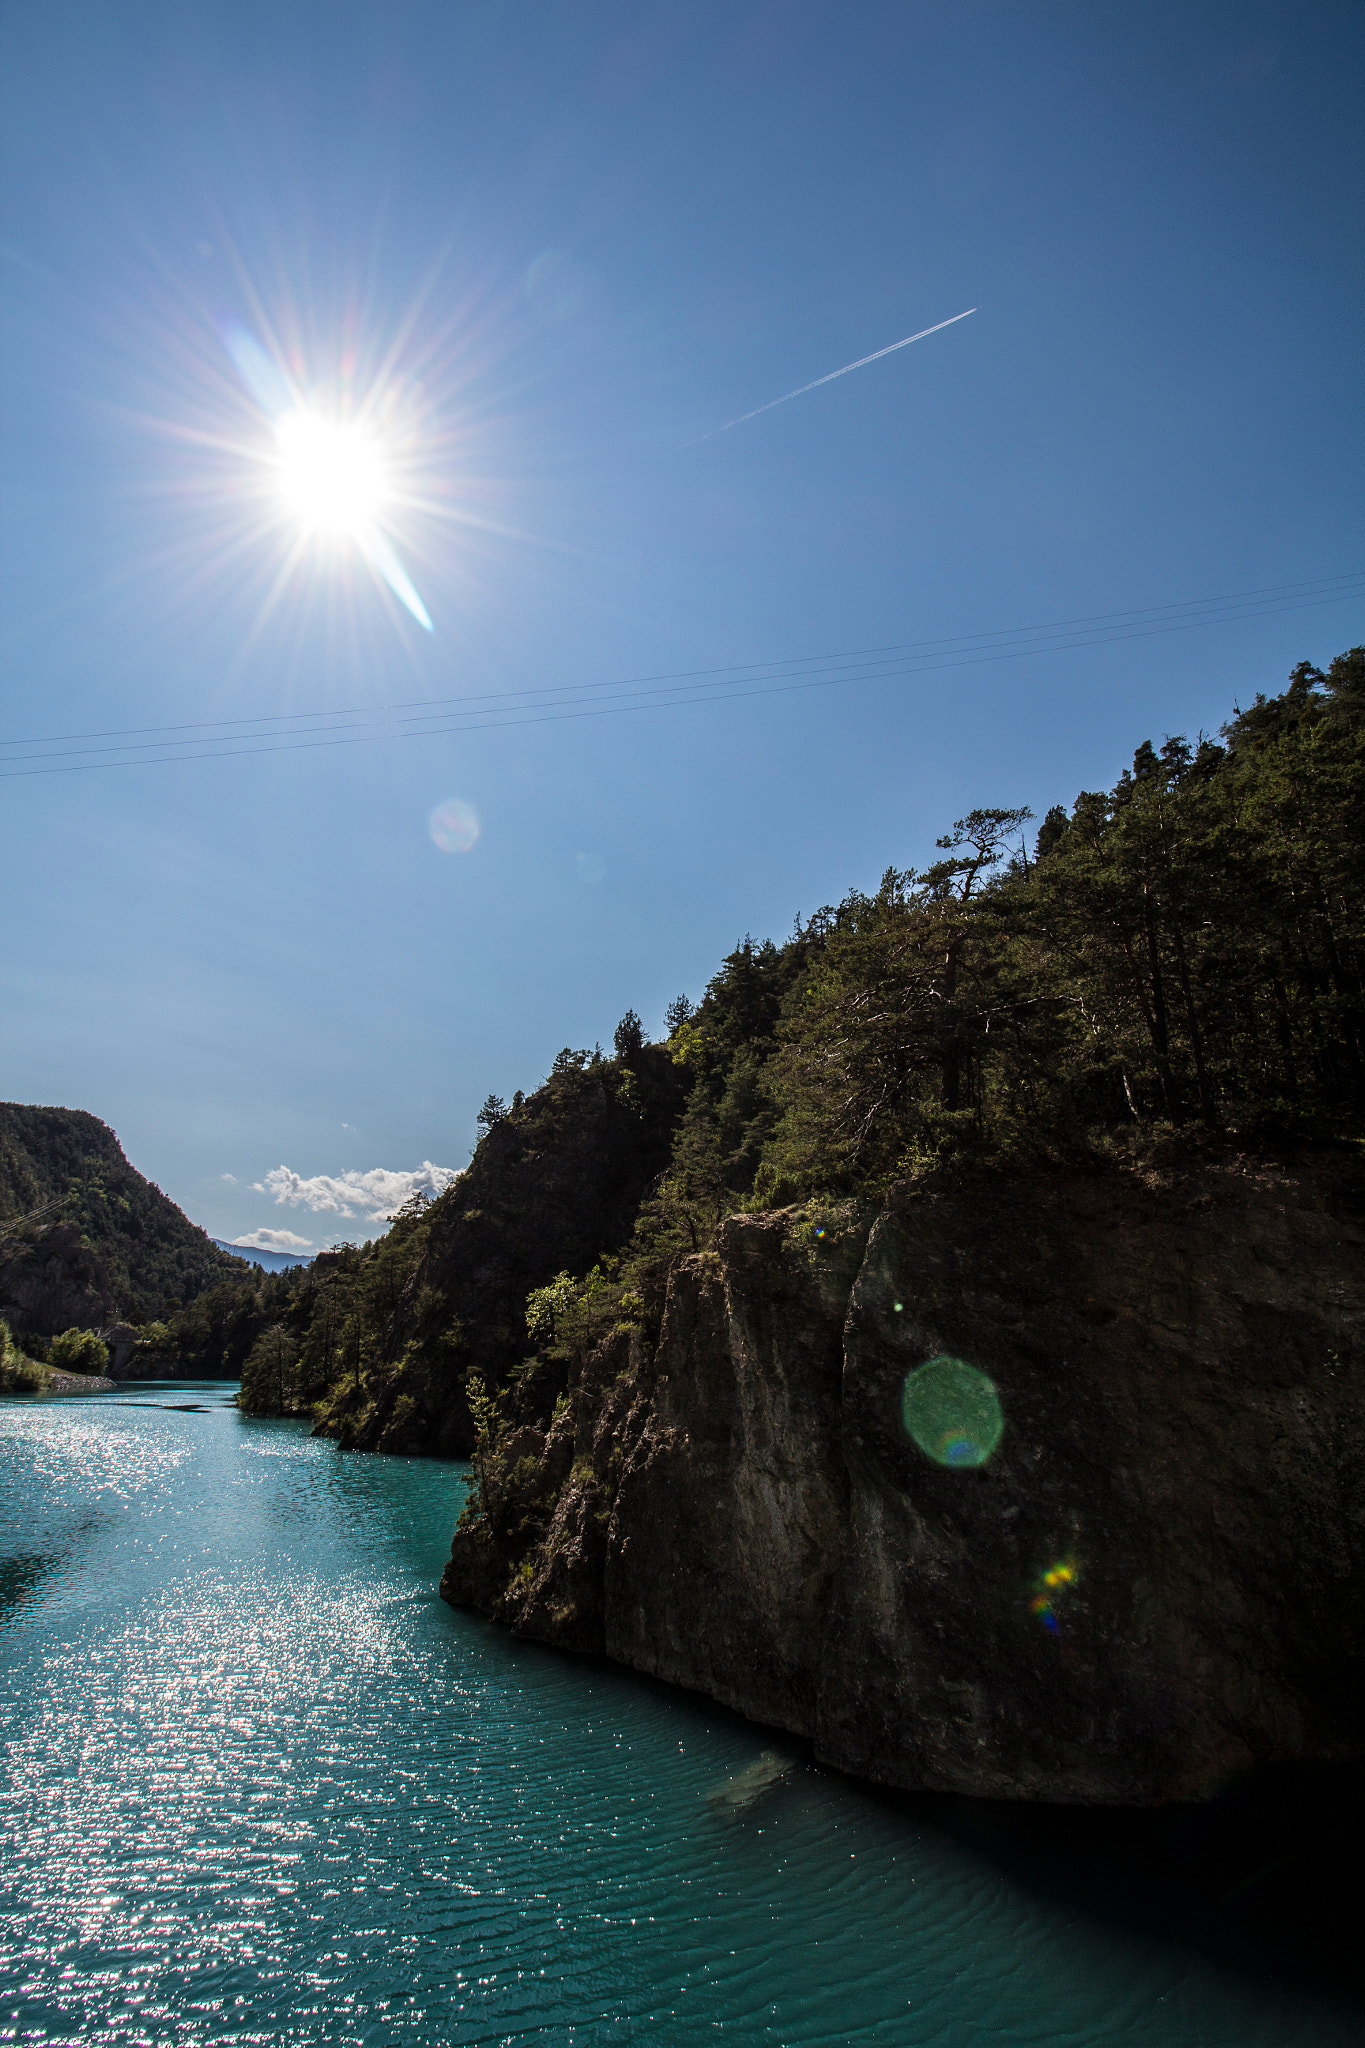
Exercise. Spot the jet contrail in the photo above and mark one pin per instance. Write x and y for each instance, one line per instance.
(875, 356)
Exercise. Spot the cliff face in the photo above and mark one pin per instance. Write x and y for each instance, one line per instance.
(552, 1187)
(1154, 1580)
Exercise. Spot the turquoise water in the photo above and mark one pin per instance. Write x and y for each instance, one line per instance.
(262, 1785)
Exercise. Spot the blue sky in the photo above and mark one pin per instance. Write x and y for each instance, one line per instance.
(568, 242)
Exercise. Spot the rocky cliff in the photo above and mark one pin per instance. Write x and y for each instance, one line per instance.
(1152, 1581)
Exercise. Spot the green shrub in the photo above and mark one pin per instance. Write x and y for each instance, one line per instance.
(83, 1351)
(18, 1374)
(545, 1305)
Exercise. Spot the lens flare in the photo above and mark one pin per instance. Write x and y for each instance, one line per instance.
(952, 1412)
(454, 825)
(1049, 1582)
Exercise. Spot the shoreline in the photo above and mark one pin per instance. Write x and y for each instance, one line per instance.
(60, 1382)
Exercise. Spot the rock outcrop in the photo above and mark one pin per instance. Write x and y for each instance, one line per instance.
(124, 1364)
(1153, 1582)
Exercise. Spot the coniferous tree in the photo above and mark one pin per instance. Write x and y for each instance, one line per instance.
(629, 1037)
(493, 1111)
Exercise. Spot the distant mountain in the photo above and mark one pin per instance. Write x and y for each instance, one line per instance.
(273, 1262)
(84, 1237)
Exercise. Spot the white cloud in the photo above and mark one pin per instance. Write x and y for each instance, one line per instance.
(274, 1241)
(375, 1195)
(230, 1178)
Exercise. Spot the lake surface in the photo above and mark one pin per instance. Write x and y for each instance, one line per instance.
(262, 1785)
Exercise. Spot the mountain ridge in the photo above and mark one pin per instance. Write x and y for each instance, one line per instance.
(85, 1239)
(270, 1262)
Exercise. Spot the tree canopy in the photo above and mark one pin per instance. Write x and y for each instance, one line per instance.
(1181, 953)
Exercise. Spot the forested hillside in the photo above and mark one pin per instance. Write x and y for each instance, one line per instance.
(68, 1195)
(1179, 960)
(1182, 954)
(385, 1342)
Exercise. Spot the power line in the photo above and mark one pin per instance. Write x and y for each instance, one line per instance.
(487, 711)
(1286, 591)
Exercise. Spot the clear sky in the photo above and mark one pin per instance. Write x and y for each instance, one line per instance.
(541, 252)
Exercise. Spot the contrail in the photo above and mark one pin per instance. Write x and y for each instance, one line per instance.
(801, 389)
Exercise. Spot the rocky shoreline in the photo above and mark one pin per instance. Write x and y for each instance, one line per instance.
(61, 1382)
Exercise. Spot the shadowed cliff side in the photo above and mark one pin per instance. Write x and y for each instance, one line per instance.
(51, 1281)
(1153, 1583)
(553, 1186)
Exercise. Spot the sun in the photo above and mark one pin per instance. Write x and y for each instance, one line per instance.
(331, 474)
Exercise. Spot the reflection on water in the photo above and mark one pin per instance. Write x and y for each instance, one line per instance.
(739, 1793)
(21, 1574)
(265, 1787)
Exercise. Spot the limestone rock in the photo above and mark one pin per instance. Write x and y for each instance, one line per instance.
(123, 1341)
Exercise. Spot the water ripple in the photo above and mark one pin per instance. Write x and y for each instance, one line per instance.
(261, 1786)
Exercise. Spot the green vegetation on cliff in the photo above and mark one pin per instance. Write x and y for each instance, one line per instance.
(1185, 952)
(390, 1335)
(1182, 956)
(308, 1340)
(1185, 948)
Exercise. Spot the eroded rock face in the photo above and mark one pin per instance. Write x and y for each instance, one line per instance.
(1180, 1373)
(124, 1363)
(729, 1518)
(1153, 1581)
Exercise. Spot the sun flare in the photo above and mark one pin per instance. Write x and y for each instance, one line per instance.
(331, 474)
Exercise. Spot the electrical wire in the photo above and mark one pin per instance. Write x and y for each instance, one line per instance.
(283, 732)
(1287, 592)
